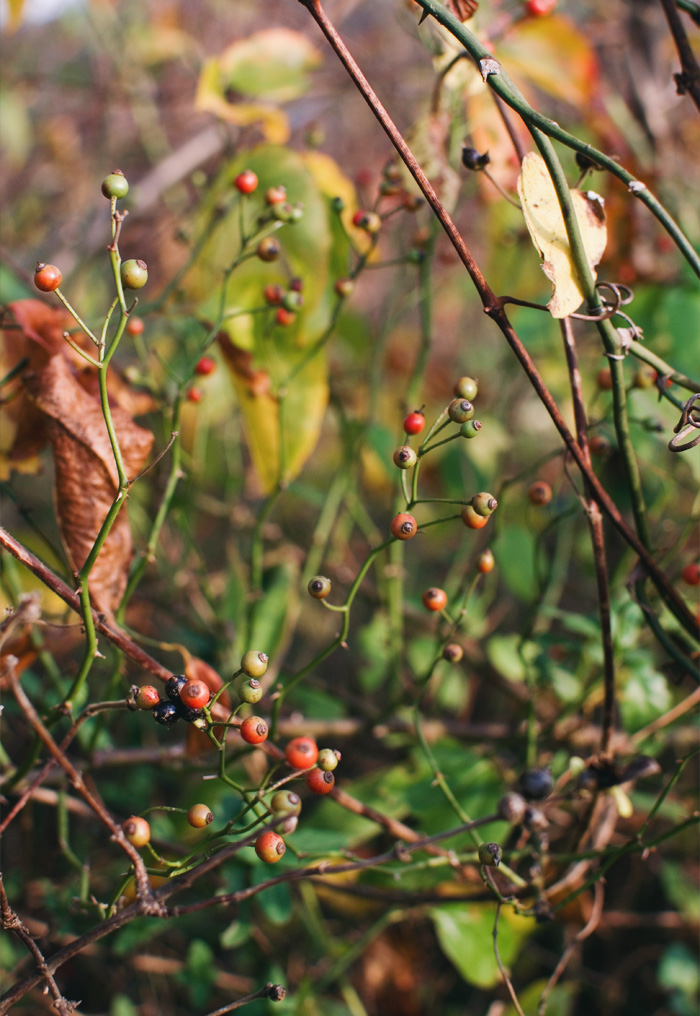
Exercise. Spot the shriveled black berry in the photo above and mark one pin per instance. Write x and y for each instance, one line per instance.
(174, 685)
(166, 713)
(187, 713)
(535, 784)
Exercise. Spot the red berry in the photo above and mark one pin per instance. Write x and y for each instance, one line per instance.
(47, 278)
(270, 847)
(485, 562)
(301, 752)
(276, 195)
(246, 182)
(199, 816)
(285, 317)
(604, 379)
(147, 697)
(195, 395)
(195, 694)
(540, 492)
(254, 730)
(403, 526)
(205, 366)
(434, 598)
(691, 574)
(320, 782)
(538, 8)
(414, 422)
(599, 445)
(137, 831)
(135, 326)
(274, 294)
(471, 520)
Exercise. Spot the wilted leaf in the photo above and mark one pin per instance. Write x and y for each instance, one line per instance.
(546, 225)
(86, 474)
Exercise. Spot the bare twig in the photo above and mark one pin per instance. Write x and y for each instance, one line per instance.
(273, 992)
(688, 81)
(582, 934)
(504, 973)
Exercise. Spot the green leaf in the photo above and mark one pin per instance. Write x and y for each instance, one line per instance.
(645, 696)
(272, 64)
(514, 549)
(679, 970)
(465, 937)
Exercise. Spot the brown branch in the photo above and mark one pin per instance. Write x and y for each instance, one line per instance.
(504, 973)
(688, 81)
(493, 306)
(583, 933)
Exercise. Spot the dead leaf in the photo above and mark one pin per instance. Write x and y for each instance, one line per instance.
(86, 474)
(546, 225)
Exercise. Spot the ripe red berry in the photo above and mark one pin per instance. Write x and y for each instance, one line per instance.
(195, 395)
(319, 781)
(195, 694)
(246, 182)
(691, 574)
(485, 562)
(403, 526)
(147, 697)
(369, 221)
(47, 278)
(199, 816)
(205, 366)
(254, 730)
(285, 317)
(540, 492)
(301, 752)
(538, 8)
(274, 294)
(137, 831)
(434, 598)
(471, 520)
(414, 422)
(270, 847)
(135, 326)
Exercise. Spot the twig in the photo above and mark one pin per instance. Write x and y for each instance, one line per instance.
(504, 973)
(273, 992)
(688, 81)
(670, 717)
(580, 935)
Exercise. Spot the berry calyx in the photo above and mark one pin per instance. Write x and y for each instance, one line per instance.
(404, 526)
(268, 249)
(205, 366)
(254, 730)
(414, 422)
(275, 195)
(285, 317)
(490, 854)
(301, 752)
(460, 410)
(328, 759)
(540, 492)
(452, 652)
(319, 781)
(137, 831)
(535, 784)
(199, 816)
(195, 694)
(539, 8)
(47, 278)
(434, 598)
(691, 574)
(484, 503)
(254, 663)
(135, 326)
(485, 562)
(134, 273)
(166, 713)
(470, 518)
(466, 388)
(174, 685)
(246, 182)
(270, 847)
(115, 185)
(285, 802)
(251, 691)
(147, 697)
(470, 429)
(405, 457)
(319, 587)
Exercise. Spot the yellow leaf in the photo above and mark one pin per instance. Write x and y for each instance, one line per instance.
(546, 225)
(16, 8)
(210, 99)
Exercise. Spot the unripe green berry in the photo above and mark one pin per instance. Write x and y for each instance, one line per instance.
(470, 429)
(405, 457)
(254, 663)
(460, 410)
(292, 300)
(328, 759)
(490, 854)
(466, 388)
(251, 691)
(338, 205)
(484, 504)
(319, 587)
(115, 185)
(134, 273)
(285, 802)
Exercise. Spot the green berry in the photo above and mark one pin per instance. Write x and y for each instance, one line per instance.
(134, 273)
(319, 587)
(484, 504)
(285, 802)
(251, 691)
(470, 429)
(115, 185)
(254, 663)
(490, 854)
(460, 410)
(328, 759)
(466, 388)
(405, 457)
